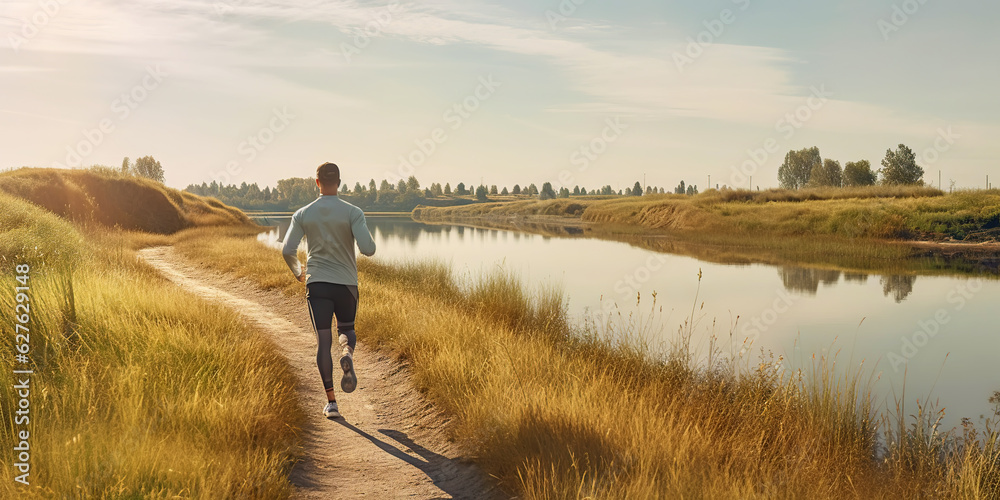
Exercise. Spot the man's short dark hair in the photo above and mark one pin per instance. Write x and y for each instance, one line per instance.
(328, 174)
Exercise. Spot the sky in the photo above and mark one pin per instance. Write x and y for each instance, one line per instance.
(573, 92)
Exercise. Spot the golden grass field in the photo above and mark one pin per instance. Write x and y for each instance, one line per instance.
(145, 391)
(140, 390)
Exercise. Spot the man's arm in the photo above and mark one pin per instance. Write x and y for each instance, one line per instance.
(291, 249)
(361, 233)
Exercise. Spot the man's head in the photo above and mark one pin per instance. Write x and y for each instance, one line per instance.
(328, 177)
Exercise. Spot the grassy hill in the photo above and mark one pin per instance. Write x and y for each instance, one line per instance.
(105, 196)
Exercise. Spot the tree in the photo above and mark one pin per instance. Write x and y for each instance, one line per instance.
(460, 189)
(384, 186)
(692, 190)
(412, 183)
(680, 188)
(794, 173)
(296, 191)
(481, 192)
(532, 189)
(493, 189)
(447, 188)
(859, 173)
(564, 192)
(149, 168)
(516, 189)
(547, 192)
(125, 165)
(900, 167)
(402, 186)
(358, 188)
(828, 174)
(637, 189)
(504, 192)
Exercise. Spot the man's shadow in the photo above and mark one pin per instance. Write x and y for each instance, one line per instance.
(444, 472)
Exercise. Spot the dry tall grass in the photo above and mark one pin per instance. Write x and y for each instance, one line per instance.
(140, 390)
(554, 413)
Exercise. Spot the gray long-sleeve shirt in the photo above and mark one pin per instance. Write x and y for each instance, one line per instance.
(331, 227)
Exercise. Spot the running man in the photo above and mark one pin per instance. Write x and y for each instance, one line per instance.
(331, 227)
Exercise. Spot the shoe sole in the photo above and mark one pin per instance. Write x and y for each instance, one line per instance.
(332, 414)
(349, 381)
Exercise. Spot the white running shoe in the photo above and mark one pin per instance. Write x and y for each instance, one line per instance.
(330, 411)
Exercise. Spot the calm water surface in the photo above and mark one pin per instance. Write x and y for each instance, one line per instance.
(941, 332)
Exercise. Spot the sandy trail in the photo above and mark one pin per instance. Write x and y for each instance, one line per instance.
(391, 441)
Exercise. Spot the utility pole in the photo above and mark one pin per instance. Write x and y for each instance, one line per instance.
(709, 181)
(751, 183)
(939, 179)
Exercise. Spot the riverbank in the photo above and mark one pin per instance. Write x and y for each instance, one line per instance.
(552, 412)
(903, 230)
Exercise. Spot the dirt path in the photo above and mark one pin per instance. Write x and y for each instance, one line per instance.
(390, 443)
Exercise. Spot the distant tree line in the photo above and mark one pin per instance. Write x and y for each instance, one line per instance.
(293, 193)
(806, 168)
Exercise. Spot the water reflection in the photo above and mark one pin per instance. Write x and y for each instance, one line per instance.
(855, 278)
(807, 281)
(799, 279)
(900, 287)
